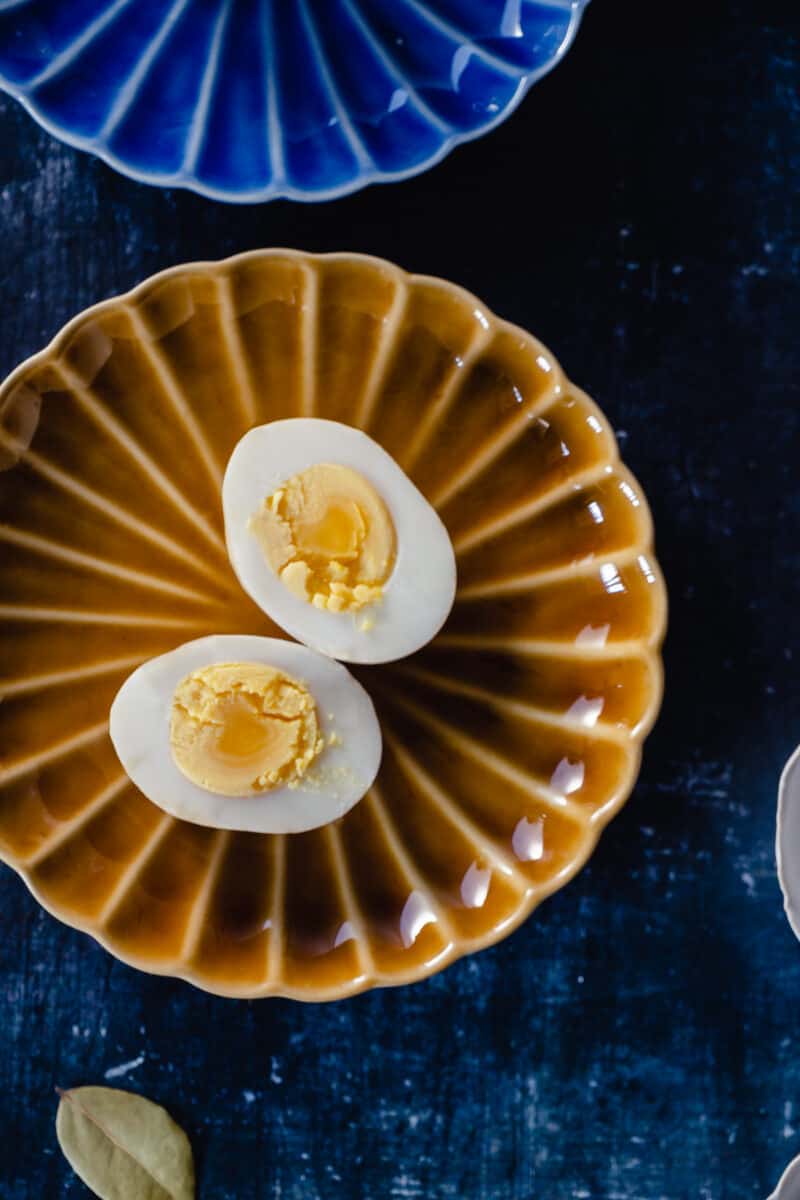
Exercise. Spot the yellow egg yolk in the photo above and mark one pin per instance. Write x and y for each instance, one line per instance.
(239, 729)
(328, 535)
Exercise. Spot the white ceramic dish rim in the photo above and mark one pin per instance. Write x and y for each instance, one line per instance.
(789, 1183)
(791, 890)
(283, 191)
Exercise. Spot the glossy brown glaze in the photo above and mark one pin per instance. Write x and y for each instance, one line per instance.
(509, 741)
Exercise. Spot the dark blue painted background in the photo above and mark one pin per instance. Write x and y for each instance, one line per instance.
(639, 1038)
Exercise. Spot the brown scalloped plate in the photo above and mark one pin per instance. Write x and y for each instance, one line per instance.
(509, 741)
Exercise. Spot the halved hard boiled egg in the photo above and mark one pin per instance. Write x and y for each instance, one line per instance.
(334, 542)
(252, 733)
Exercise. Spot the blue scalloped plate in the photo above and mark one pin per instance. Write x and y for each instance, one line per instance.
(255, 99)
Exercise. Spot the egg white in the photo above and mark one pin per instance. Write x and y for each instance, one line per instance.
(337, 780)
(419, 593)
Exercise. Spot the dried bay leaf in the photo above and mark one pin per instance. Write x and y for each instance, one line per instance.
(124, 1147)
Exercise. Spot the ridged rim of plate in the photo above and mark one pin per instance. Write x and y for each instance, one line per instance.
(282, 191)
(532, 896)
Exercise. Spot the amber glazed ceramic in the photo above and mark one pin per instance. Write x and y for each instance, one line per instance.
(509, 741)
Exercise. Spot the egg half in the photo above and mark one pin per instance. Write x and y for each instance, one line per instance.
(334, 542)
(248, 733)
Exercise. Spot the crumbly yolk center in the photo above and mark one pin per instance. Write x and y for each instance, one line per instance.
(328, 535)
(239, 729)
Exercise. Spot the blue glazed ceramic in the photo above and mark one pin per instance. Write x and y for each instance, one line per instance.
(255, 99)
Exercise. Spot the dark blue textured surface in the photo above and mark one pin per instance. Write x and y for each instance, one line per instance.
(639, 1038)
(252, 99)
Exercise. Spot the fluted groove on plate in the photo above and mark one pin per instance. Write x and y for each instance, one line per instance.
(496, 763)
(204, 898)
(59, 552)
(516, 708)
(515, 584)
(310, 317)
(12, 686)
(493, 449)
(506, 521)
(353, 917)
(418, 886)
(114, 429)
(274, 947)
(453, 813)
(386, 348)
(34, 762)
(107, 507)
(75, 824)
(243, 389)
(436, 412)
(133, 870)
(181, 404)
(199, 121)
